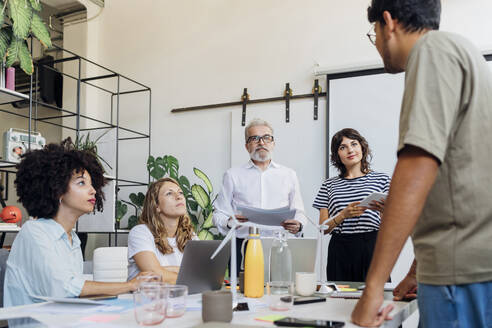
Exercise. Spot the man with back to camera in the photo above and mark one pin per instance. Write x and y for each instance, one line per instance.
(440, 188)
(260, 183)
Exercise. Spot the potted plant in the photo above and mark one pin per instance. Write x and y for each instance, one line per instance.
(20, 19)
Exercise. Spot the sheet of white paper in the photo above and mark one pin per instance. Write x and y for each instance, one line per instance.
(63, 308)
(374, 196)
(271, 217)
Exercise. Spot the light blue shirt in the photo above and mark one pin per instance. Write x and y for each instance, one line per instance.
(43, 262)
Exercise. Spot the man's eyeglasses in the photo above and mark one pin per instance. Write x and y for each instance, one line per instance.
(256, 139)
(372, 35)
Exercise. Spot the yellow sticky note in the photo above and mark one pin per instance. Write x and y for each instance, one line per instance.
(270, 318)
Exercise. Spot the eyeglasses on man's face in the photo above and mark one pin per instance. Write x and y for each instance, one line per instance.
(256, 139)
(371, 35)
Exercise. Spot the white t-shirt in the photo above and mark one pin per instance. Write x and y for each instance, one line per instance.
(141, 239)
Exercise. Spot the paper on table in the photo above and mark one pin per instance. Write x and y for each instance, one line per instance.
(101, 318)
(108, 306)
(74, 300)
(270, 217)
(63, 308)
(374, 196)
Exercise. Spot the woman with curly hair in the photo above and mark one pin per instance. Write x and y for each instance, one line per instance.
(157, 243)
(56, 185)
(353, 228)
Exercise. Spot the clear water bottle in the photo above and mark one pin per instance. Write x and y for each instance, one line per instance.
(280, 258)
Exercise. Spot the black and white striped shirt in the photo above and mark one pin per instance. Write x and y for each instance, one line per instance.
(336, 193)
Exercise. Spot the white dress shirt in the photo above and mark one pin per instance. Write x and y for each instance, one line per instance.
(275, 187)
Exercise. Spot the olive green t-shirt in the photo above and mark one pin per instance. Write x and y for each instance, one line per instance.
(447, 111)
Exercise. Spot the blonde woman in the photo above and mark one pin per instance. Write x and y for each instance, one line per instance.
(157, 243)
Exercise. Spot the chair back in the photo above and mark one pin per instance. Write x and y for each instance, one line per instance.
(110, 264)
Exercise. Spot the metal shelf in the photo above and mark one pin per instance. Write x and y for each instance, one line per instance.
(8, 96)
(124, 134)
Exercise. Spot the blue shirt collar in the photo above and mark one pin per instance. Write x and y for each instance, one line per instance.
(56, 230)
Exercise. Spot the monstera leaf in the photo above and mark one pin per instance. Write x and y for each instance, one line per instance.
(172, 166)
(137, 199)
(155, 168)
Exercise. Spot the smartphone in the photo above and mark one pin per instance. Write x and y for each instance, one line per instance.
(298, 300)
(293, 322)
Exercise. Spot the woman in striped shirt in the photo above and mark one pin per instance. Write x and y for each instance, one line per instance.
(353, 228)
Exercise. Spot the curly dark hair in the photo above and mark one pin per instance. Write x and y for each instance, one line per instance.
(43, 176)
(353, 134)
(414, 15)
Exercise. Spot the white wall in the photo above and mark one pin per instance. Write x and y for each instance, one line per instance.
(201, 52)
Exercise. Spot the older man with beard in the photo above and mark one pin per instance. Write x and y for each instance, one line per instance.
(260, 183)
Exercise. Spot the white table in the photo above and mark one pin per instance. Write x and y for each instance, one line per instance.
(333, 309)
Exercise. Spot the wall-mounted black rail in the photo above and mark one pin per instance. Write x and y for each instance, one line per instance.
(245, 100)
(239, 103)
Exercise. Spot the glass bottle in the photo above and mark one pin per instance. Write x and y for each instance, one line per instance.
(280, 258)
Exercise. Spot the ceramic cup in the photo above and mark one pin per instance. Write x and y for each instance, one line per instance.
(217, 306)
(305, 283)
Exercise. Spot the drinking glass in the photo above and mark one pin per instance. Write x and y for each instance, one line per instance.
(176, 300)
(150, 303)
(148, 278)
(280, 295)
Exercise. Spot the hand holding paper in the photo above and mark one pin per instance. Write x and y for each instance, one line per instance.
(375, 196)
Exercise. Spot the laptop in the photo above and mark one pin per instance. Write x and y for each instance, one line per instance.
(303, 250)
(198, 271)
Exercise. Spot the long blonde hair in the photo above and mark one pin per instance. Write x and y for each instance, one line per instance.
(152, 219)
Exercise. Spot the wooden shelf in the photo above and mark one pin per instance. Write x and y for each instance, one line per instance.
(8, 96)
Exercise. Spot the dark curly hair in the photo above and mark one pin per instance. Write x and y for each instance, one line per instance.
(414, 15)
(353, 134)
(43, 176)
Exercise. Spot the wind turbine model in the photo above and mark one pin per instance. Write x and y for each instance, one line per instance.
(323, 289)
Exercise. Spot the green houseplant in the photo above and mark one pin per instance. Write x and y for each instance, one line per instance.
(199, 199)
(20, 19)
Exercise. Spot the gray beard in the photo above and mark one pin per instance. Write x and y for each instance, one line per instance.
(255, 155)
